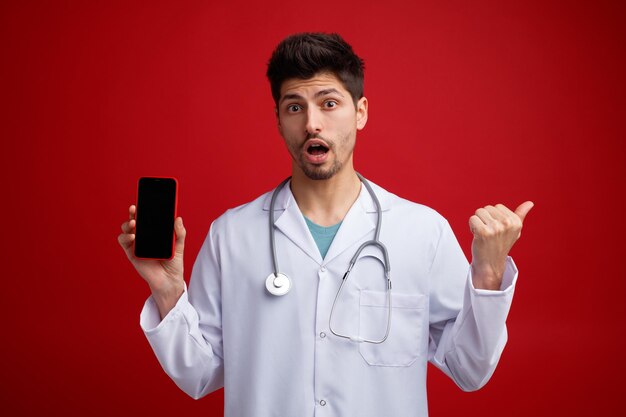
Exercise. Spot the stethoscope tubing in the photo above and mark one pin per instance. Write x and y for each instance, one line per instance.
(272, 234)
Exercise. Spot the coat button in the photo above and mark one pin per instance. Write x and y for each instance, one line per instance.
(322, 335)
(323, 269)
(322, 403)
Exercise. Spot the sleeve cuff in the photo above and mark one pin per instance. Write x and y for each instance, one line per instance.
(150, 318)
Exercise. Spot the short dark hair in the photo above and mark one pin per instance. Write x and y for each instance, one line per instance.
(305, 54)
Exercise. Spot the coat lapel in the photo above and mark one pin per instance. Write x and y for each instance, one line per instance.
(290, 221)
(359, 224)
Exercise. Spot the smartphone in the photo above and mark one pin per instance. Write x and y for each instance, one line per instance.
(157, 201)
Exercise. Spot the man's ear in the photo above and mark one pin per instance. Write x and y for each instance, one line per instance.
(361, 113)
(278, 125)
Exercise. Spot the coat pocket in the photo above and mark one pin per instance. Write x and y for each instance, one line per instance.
(404, 343)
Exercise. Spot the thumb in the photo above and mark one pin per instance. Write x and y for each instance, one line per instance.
(523, 209)
(180, 234)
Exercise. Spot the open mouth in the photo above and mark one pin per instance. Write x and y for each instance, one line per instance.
(316, 149)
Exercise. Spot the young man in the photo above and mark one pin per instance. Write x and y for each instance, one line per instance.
(301, 346)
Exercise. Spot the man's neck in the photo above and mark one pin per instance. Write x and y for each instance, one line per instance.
(326, 202)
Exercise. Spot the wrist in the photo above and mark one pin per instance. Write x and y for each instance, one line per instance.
(166, 299)
(487, 277)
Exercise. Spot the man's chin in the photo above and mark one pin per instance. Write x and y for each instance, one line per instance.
(319, 176)
(318, 173)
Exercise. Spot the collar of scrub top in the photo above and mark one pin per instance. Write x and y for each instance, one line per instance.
(279, 284)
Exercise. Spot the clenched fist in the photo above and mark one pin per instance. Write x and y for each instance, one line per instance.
(495, 229)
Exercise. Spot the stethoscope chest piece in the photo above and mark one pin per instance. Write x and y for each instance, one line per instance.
(278, 284)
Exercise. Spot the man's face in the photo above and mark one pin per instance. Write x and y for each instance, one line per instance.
(318, 120)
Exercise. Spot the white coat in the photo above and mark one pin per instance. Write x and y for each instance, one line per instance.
(275, 356)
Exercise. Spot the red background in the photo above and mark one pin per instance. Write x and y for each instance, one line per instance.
(471, 103)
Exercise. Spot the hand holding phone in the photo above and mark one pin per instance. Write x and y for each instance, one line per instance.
(164, 276)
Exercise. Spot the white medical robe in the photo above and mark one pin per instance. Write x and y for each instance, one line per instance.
(276, 356)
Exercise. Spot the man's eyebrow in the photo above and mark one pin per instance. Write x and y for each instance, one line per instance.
(325, 92)
(292, 96)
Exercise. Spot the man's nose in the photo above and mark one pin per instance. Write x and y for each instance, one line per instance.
(313, 121)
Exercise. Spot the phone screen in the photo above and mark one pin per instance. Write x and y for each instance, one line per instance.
(156, 211)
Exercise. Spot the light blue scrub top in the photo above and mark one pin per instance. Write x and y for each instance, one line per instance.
(323, 236)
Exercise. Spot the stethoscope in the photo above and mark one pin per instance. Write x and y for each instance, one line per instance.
(279, 284)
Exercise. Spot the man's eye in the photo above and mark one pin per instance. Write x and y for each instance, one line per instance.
(292, 108)
(330, 104)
